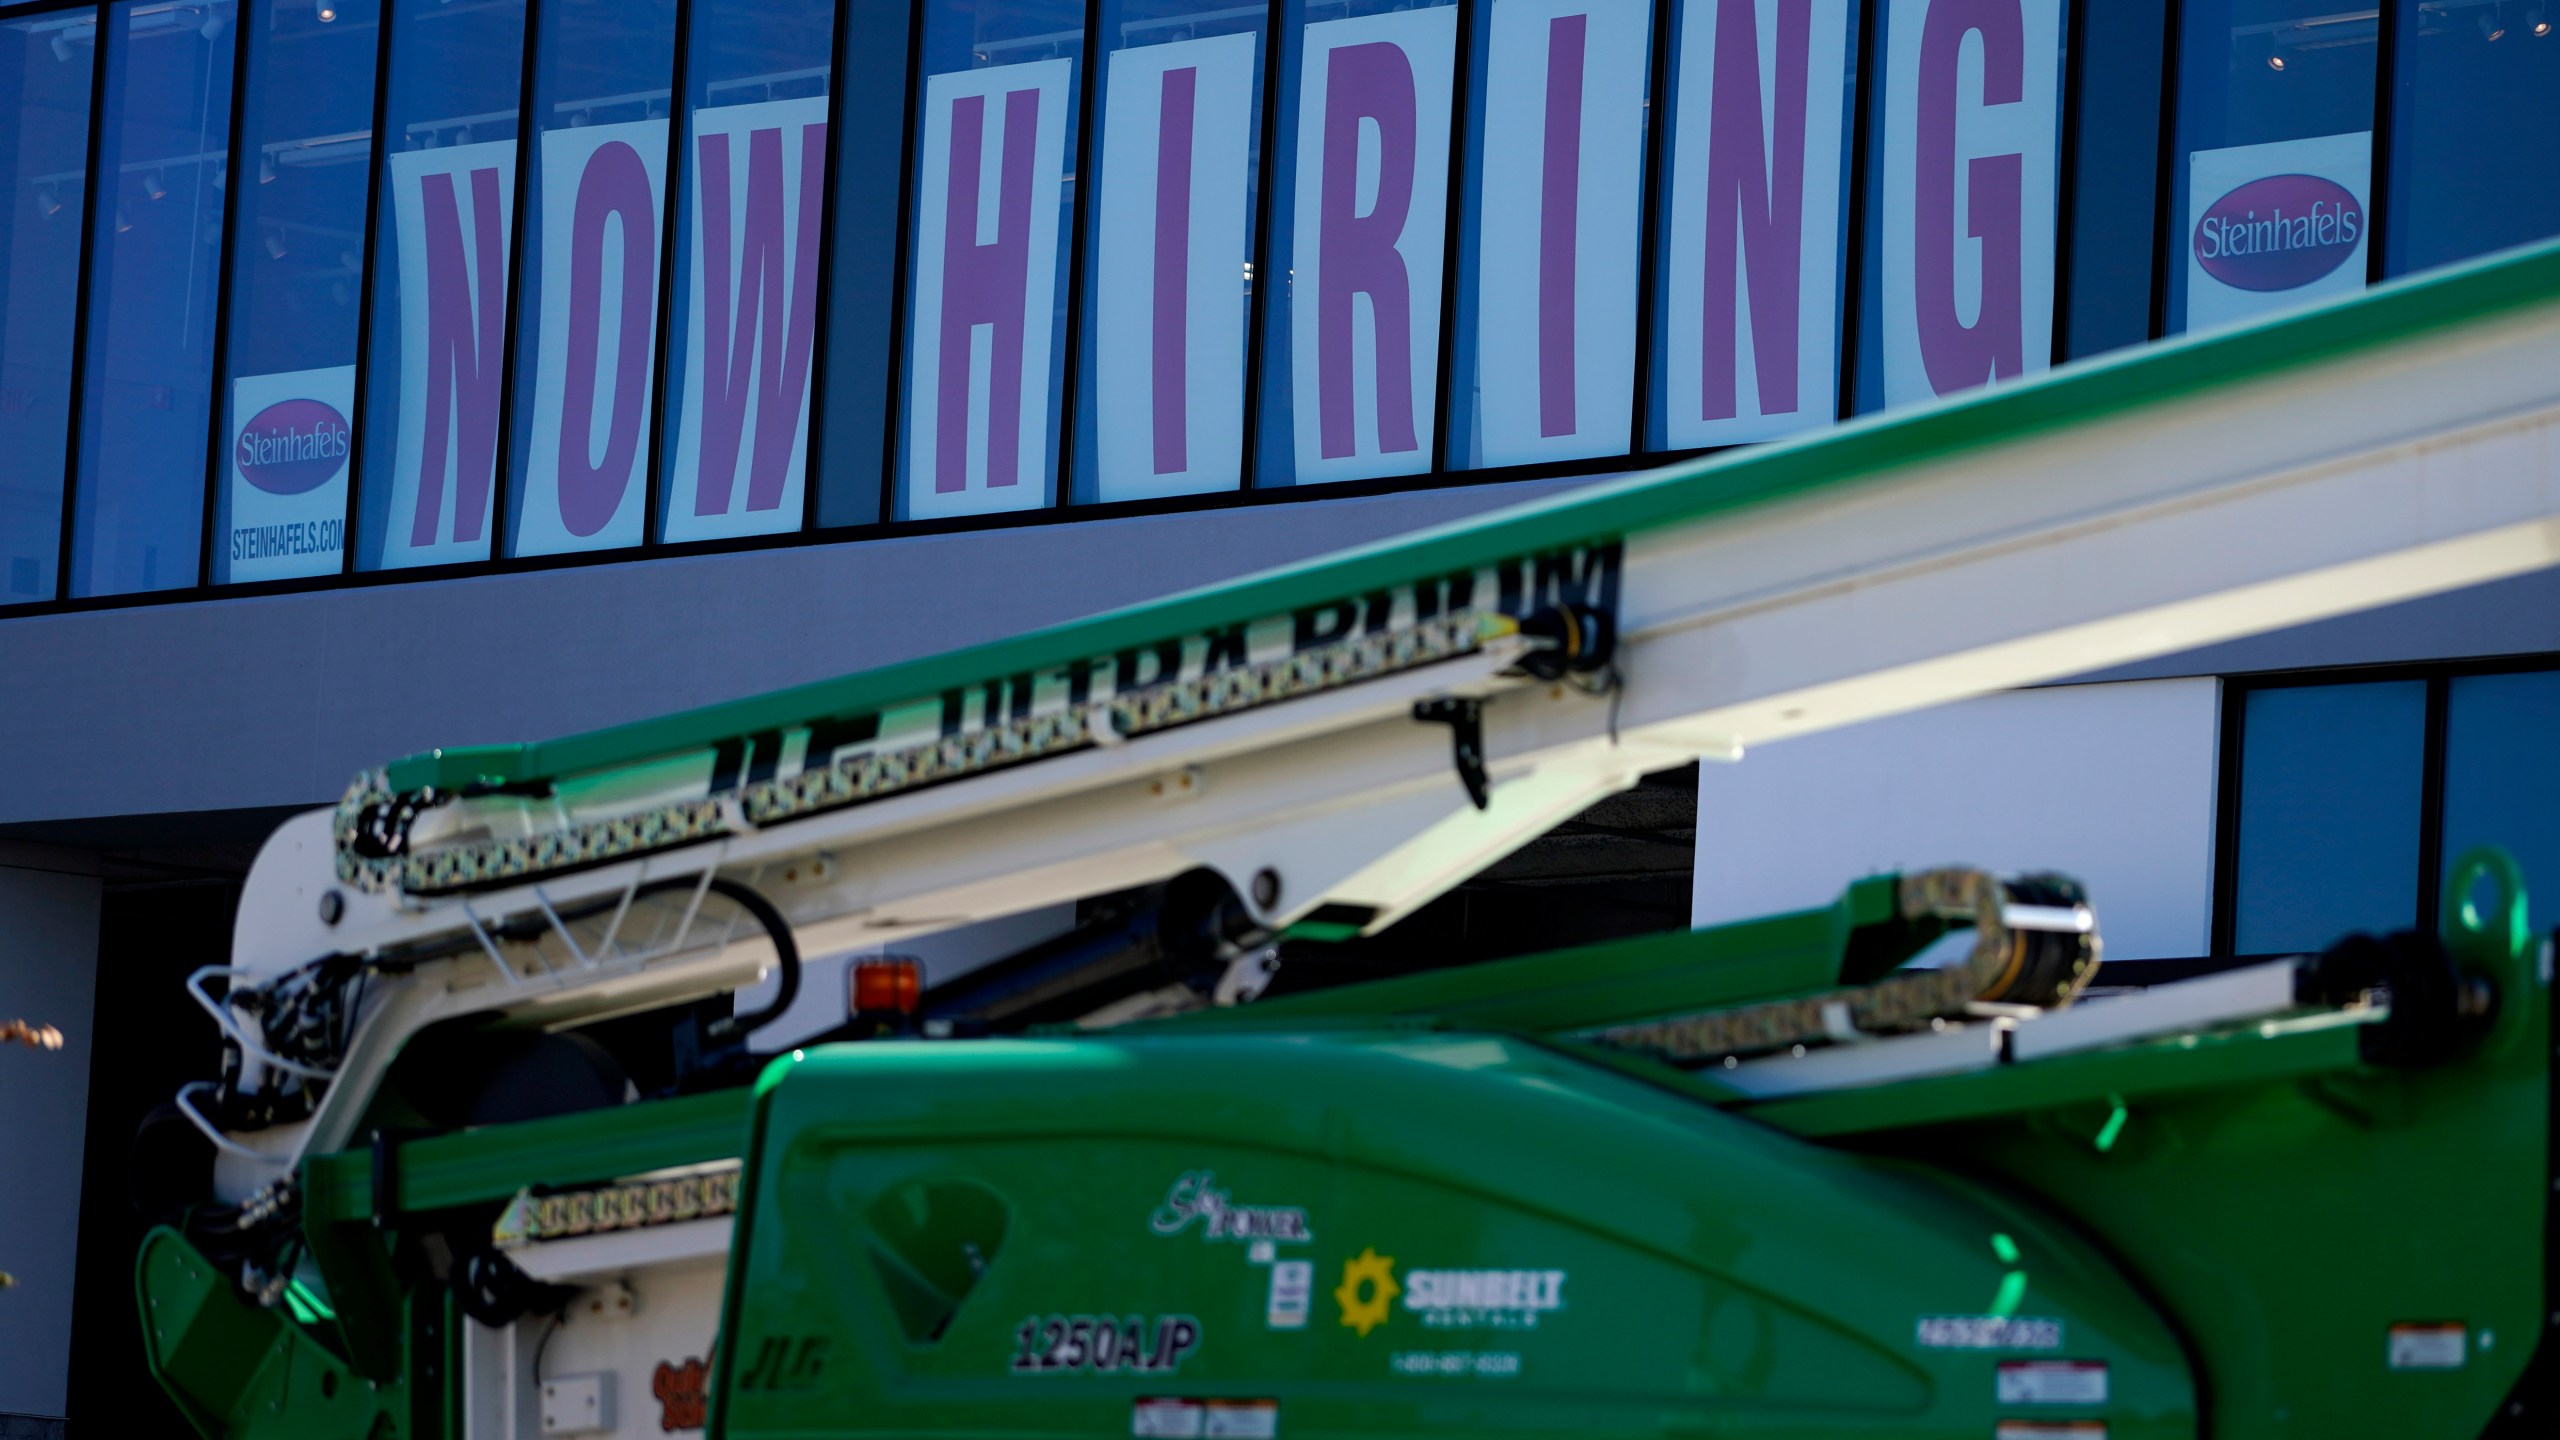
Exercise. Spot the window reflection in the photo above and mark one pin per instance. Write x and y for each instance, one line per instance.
(437, 349)
(2475, 103)
(156, 227)
(2502, 778)
(590, 276)
(46, 65)
(298, 238)
(2329, 793)
(2275, 157)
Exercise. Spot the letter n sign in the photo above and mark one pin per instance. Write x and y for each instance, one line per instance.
(1366, 242)
(981, 339)
(1971, 140)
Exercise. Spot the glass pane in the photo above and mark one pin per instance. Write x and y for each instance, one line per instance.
(2275, 157)
(587, 342)
(987, 313)
(2475, 102)
(298, 237)
(1550, 235)
(1359, 225)
(2502, 778)
(146, 423)
(434, 360)
(743, 329)
(1169, 260)
(1754, 224)
(1965, 139)
(2329, 785)
(46, 65)
(863, 302)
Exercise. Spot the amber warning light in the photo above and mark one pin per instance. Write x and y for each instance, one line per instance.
(890, 985)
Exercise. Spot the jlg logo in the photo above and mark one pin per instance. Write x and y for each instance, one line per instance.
(786, 1362)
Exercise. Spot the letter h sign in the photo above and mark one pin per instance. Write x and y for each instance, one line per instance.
(981, 342)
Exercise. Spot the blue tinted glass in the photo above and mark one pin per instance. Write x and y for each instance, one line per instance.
(434, 359)
(985, 361)
(1359, 222)
(2115, 168)
(2274, 157)
(863, 302)
(590, 277)
(1542, 361)
(2475, 102)
(1169, 250)
(298, 240)
(147, 384)
(1953, 293)
(2329, 788)
(45, 69)
(2502, 778)
(1755, 351)
(742, 333)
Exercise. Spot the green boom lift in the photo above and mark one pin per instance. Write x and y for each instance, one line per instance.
(495, 1154)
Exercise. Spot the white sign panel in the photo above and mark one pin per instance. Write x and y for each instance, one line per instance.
(1561, 228)
(2274, 226)
(453, 217)
(1972, 137)
(604, 190)
(757, 177)
(1366, 241)
(1751, 337)
(980, 346)
(289, 444)
(1169, 295)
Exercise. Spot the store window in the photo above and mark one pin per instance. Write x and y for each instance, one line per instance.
(1551, 230)
(1964, 146)
(435, 357)
(1753, 233)
(2475, 102)
(864, 299)
(1169, 250)
(743, 329)
(2502, 778)
(590, 276)
(994, 198)
(46, 68)
(1359, 230)
(2267, 208)
(146, 418)
(2329, 813)
(297, 284)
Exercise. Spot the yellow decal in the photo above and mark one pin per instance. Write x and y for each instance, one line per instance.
(1378, 1273)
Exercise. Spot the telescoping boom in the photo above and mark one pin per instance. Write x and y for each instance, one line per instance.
(1740, 1182)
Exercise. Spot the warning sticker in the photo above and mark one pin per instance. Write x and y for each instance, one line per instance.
(1988, 1332)
(2440, 1345)
(2050, 1430)
(1243, 1420)
(1293, 1287)
(2053, 1382)
(1158, 1418)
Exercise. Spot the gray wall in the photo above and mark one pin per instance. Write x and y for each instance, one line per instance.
(281, 700)
(48, 975)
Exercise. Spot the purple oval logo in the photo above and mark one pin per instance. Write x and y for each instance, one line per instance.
(2280, 232)
(292, 446)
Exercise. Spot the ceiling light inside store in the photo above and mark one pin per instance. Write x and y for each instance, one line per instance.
(266, 169)
(2537, 21)
(48, 201)
(211, 29)
(275, 244)
(2493, 26)
(326, 11)
(62, 47)
(154, 185)
(123, 221)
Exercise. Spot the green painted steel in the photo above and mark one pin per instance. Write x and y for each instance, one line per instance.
(1833, 460)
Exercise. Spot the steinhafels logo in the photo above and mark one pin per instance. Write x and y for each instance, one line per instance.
(2280, 232)
(292, 447)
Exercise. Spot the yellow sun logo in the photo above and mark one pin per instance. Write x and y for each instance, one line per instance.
(1378, 1273)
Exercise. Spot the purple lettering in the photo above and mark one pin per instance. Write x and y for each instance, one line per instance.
(984, 285)
(1372, 82)
(1957, 355)
(1755, 209)
(1173, 268)
(616, 186)
(764, 333)
(1559, 208)
(463, 346)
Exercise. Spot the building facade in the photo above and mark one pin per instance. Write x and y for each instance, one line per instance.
(381, 374)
